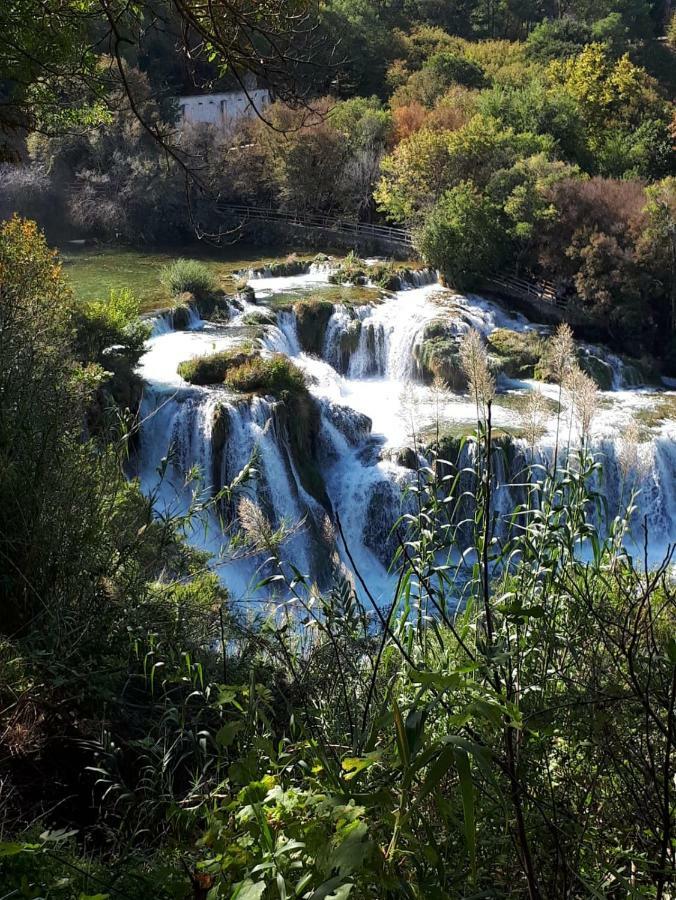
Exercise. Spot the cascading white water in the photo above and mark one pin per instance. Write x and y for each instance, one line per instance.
(370, 405)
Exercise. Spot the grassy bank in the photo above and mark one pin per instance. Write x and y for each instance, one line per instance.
(94, 271)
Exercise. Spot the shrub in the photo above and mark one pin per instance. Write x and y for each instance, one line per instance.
(462, 236)
(275, 375)
(213, 368)
(188, 276)
(453, 68)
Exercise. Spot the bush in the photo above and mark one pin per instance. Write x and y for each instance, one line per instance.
(275, 375)
(188, 276)
(455, 69)
(213, 368)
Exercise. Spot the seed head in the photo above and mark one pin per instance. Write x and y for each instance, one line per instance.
(474, 363)
(534, 417)
(584, 397)
(255, 525)
(561, 352)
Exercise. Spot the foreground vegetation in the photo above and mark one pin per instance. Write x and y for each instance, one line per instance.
(500, 728)
(503, 725)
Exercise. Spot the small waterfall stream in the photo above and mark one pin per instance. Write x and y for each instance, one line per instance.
(369, 403)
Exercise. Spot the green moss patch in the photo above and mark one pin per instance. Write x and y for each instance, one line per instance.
(348, 344)
(259, 317)
(387, 275)
(597, 369)
(662, 410)
(519, 353)
(517, 400)
(213, 368)
(438, 356)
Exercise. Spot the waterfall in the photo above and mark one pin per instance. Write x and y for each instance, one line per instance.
(367, 398)
(378, 339)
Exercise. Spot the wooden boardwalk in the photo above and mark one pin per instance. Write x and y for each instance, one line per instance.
(523, 289)
(378, 234)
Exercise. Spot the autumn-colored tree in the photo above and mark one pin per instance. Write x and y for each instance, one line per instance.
(428, 163)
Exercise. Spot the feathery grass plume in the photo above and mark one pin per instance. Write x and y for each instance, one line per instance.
(533, 418)
(474, 363)
(629, 459)
(584, 397)
(257, 528)
(561, 352)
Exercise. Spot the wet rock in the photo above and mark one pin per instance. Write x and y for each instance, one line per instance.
(519, 353)
(353, 425)
(312, 319)
(382, 511)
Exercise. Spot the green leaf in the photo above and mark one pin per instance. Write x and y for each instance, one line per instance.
(333, 889)
(349, 856)
(671, 650)
(448, 682)
(10, 848)
(353, 765)
(247, 890)
(402, 742)
(226, 735)
(467, 792)
(437, 772)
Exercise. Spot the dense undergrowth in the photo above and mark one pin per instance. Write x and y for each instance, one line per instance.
(502, 727)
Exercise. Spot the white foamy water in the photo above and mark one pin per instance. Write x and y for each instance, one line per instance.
(371, 405)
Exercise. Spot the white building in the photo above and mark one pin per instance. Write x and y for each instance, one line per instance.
(222, 110)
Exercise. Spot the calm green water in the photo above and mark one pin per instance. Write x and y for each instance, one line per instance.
(94, 272)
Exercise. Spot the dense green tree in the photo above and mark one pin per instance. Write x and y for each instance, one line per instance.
(455, 69)
(425, 165)
(462, 236)
(557, 39)
(542, 109)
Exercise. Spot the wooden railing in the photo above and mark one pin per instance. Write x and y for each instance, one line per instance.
(538, 291)
(383, 233)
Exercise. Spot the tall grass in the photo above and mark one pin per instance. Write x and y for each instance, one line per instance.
(188, 276)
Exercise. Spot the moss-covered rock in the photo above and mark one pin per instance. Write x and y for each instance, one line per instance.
(259, 317)
(213, 368)
(283, 268)
(437, 356)
(382, 510)
(214, 306)
(220, 432)
(312, 319)
(387, 275)
(300, 416)
(597, 369)
(246, 294)
(348, 344)
(274, 376)
(519, 353)
(351, 269)
(407, 458)
(591, 363)
(181, 311)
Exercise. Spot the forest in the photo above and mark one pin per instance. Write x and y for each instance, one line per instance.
(454, 675)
